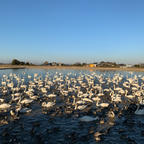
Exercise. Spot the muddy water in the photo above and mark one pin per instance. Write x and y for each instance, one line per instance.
(56, 125)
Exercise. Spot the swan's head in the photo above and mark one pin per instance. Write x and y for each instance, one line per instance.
(44, 103)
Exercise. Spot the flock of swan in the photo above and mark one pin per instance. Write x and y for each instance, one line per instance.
(75, 93)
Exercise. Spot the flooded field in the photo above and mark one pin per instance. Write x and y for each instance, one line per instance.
(71, 106)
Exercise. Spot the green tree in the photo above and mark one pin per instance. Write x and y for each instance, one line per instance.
(15, 62)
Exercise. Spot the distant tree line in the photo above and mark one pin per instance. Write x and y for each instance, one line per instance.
(139, 65)
(17, 62)
(107, 64)
(100, 64)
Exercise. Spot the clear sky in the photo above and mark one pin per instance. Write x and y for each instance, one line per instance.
(72, 30)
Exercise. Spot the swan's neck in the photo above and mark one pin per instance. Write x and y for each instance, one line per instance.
(138, 106)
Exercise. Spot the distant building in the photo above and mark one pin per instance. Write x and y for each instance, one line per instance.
(122, 65)
(92, 65)
(129, 65)
(59, 64)
(54, 64)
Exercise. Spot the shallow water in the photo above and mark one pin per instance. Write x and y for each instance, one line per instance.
(57, 126)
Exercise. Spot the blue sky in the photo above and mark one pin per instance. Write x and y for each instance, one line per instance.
(72, 30)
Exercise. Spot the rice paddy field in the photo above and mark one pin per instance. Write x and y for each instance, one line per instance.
(69, 106)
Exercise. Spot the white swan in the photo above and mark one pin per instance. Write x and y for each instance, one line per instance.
(87, 100)
(43, 90)
(1, 100)
(111, 114)
(4, 106)
(51, 95)
(26, 101)
(81, 107)
(139, 111)
(25, 110)
(104, 105)
(35, 97)
(88, 118)
(48, 104)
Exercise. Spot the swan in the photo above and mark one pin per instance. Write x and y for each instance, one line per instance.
(14, 98)
(96, 99)
(26, 101)
(17, 94)
(81, 107)
(97, 136)
(87, 100)
(104, 105)
(88, 118)
(4, 106)
(129, 96)
(43, 90)
(139, 111)
(12, 113)
(29, 76)
(35, 97)
(126, 84)
(29, 93)
(1, 100)
(51, 95)
(134, 89)
(116, 98)
(11, 85)
(25, 110)
(48, 104)
(80, 102)
(111, 114)
(3, 83)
